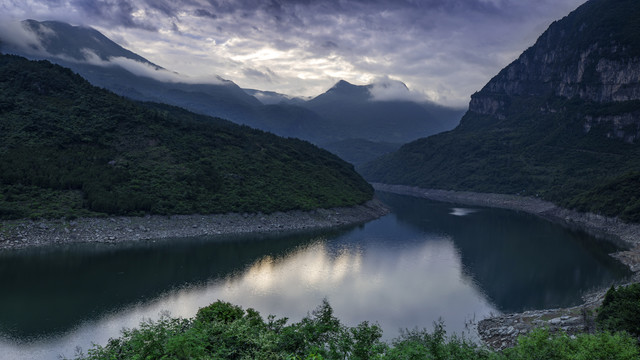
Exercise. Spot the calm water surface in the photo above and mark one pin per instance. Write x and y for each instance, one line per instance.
(424, 261)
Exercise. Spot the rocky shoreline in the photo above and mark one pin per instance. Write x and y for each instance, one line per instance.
(26, 233)
(501, 331)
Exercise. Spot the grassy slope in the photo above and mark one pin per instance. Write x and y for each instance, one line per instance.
(70, 149)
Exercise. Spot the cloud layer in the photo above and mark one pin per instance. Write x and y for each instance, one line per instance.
(442, 49)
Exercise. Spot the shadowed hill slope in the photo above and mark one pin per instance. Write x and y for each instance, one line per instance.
(68, 148)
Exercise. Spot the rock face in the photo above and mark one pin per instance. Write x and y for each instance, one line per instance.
(625, 126)
(502, 331)
(542, 70)
(582, 57)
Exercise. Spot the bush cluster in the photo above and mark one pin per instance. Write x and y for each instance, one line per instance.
(225, 331)
(620, 310)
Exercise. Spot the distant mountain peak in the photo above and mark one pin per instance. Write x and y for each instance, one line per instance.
(344, 85)
(382, 89)
(35, 23)
(81, 43)
(345, 91)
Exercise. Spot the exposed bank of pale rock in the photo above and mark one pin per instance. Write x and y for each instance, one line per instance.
(500, 332)
(25, 233)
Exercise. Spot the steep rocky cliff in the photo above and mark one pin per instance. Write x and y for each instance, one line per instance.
(561, 122)
(591, 55)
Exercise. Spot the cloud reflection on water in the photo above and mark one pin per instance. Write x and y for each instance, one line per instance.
(462, 211)
(413, 287)
(398, 287)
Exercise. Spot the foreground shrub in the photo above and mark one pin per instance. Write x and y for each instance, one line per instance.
(225, 331)
(620, 310)
(421, 344)
(540, 344)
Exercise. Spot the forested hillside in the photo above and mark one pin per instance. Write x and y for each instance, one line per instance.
(70, 149)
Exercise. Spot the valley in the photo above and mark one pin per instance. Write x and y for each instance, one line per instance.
(129, 189)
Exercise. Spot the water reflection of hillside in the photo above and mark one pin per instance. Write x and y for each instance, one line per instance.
(520, 261)
(51, 290)
(368, 273)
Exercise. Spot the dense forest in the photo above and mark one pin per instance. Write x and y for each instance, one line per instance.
(70, 149)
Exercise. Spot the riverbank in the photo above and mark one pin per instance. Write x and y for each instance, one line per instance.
(501, 331)
(17, 234)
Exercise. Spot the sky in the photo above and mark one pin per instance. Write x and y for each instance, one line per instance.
(443, 50)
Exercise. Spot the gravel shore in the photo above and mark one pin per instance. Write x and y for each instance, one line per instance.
(501, 331)
(25, 233)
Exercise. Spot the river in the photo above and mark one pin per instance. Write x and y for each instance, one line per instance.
(423, 262)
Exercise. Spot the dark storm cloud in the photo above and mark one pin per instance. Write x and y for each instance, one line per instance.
(165, 7)
(204, 13)
(119, 12)
(122, 12)
(266, 75)
(289, 10)
(329, 44)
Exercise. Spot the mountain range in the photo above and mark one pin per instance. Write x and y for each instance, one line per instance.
(561, 122)
(342, 113)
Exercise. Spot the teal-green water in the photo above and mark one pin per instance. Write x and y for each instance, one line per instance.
(424, 261)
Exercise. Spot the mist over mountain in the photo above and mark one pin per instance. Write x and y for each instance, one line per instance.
(274, 98)
(368, 121)
(561, 122)
(360, 151)
(382, 112)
